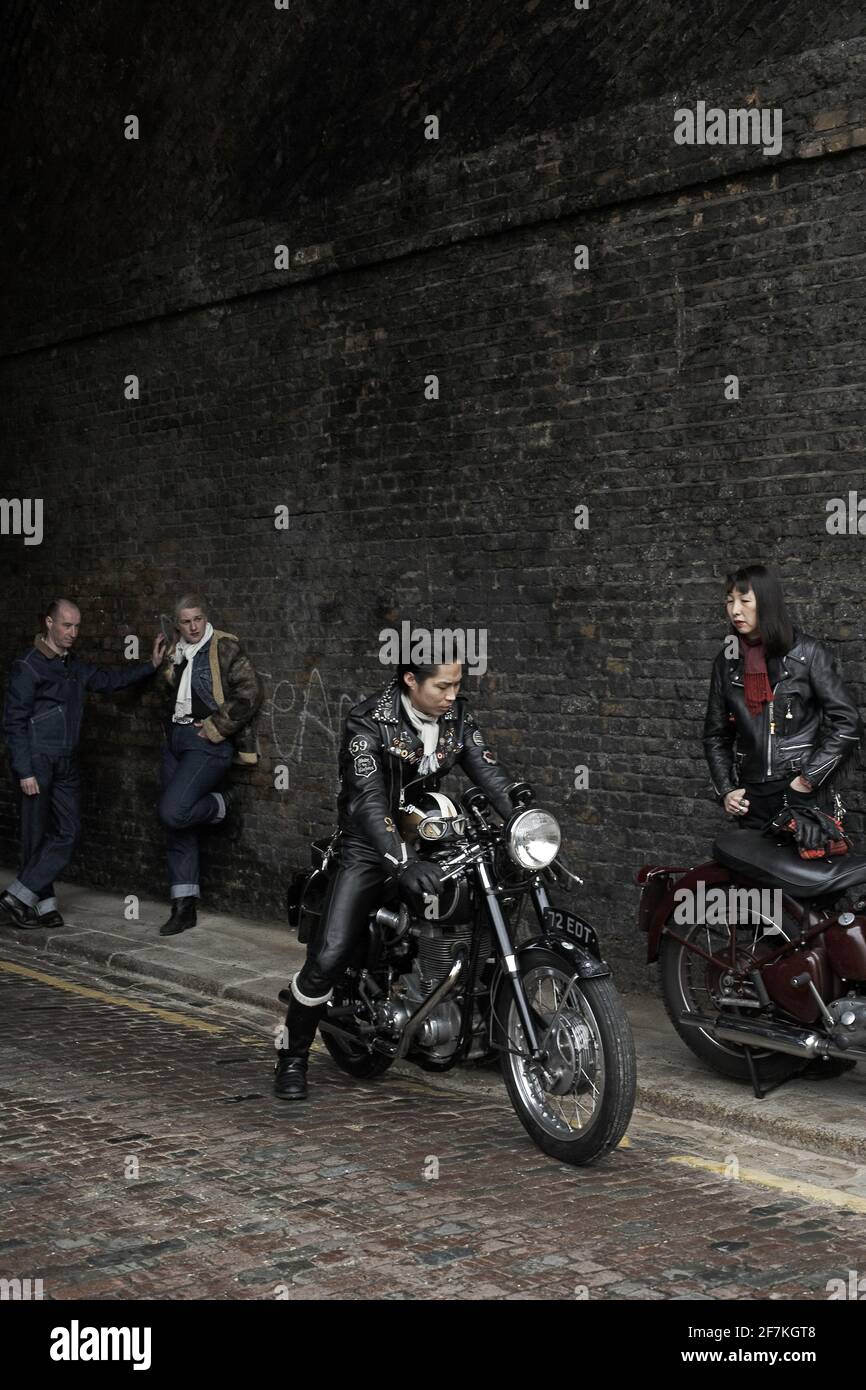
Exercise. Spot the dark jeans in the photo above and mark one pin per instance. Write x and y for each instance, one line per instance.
(191, 769)
(50, 827)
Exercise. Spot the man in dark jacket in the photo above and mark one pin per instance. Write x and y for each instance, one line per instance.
(395, 747)
(42, 724)
(214, 693)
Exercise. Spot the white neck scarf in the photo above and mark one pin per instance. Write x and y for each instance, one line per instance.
(427, 725)
(184, 649)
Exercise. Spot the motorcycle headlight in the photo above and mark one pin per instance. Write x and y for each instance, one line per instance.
(533, 839)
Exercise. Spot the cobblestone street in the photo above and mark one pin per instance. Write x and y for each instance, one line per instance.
(143, 1156)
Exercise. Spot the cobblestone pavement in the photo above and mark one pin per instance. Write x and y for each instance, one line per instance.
(143, 1156)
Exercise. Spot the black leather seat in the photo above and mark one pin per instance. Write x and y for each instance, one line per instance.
(778, 864)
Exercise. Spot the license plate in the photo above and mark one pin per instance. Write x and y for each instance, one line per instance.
(575, 927)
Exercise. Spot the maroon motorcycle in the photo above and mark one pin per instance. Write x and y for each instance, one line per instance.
(762, 956)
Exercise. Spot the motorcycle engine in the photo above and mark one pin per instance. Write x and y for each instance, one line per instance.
(436, 950)
(849, 1013)
(438, 937)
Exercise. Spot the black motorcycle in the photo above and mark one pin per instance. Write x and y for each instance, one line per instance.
(461, 980)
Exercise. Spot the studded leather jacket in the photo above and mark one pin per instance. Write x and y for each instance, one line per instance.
(379, 758)
(809, 729)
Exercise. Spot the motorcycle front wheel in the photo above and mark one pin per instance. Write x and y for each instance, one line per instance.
(577, 1105)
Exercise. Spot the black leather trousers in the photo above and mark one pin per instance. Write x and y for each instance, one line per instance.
(355, 890)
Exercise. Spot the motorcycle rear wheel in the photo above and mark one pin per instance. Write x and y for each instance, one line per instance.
(359, 1059)
(687, 985)
(583, 1113)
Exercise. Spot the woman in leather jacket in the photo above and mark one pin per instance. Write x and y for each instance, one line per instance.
(780, 722)
(395, 746)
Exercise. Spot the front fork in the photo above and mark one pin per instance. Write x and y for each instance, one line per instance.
(506, 951)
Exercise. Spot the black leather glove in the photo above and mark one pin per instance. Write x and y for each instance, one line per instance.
(418, 876)
(811, 827)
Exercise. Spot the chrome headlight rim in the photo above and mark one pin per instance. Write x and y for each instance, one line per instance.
(516, 849)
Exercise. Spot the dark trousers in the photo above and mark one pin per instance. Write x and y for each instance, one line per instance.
(766, 798)
(50, 827)
(191, 769)
(355, 890)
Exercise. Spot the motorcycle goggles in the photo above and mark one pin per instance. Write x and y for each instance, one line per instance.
(435, 826)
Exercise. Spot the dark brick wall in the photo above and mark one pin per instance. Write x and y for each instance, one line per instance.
(557, 387)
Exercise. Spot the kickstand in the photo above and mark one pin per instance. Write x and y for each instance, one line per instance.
(760, 1090)
(753, 1073)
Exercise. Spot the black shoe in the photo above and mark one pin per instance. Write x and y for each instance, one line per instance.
(49, 919)
(229, 796)
(16, 912)
(290, 1076)
(183, 916)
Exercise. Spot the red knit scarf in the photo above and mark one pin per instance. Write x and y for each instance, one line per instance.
(757, 682)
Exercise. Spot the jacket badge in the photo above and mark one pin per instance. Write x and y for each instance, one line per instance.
(365, 765)
(359, 745)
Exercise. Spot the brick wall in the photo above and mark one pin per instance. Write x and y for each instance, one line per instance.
(558, 387)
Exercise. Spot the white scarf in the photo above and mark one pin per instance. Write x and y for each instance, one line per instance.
(427, 725)
(184, 649)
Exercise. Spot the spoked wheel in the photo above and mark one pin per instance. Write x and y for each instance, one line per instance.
(692, 984)
(357, 1057)
(577, 1103)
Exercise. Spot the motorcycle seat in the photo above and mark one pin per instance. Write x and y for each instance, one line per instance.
(777, 864)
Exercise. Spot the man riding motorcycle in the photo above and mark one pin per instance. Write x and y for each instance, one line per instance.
(395, 746)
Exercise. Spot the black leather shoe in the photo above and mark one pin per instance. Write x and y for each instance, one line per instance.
(49, 919)
(229, 796)
(183, 916)
(17, 913)
(290, 1076)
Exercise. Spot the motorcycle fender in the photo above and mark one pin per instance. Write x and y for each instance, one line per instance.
(654, 922)
(582, 962)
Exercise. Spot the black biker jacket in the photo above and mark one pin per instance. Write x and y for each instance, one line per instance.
(379, 758)
(809, 729)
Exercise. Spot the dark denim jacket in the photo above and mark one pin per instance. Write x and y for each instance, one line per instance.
(45, 702)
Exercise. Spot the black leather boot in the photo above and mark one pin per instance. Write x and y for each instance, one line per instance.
(16, 912)
(183, 916)
(290, 1076)
(290, 1072)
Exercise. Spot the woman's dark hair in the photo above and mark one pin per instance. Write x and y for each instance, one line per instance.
(774, 624)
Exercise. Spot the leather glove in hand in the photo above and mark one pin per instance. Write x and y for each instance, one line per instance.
(418, 876)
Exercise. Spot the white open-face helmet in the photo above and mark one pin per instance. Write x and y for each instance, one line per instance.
(431, 817)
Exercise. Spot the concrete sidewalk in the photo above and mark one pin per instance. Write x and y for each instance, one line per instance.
(248, 962)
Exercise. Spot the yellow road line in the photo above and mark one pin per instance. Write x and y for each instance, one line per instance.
(830, 1196)
(167, 1015)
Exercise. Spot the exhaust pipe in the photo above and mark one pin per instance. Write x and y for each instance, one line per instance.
(749, 1033)
(428, 1006)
